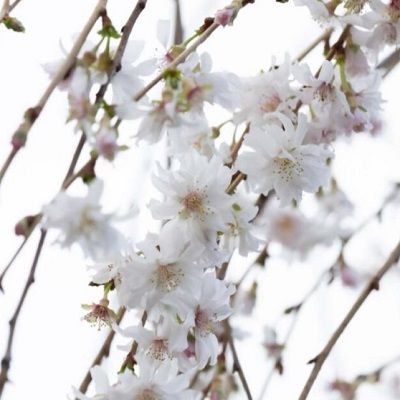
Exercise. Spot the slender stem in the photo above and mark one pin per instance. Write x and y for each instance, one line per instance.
(126, 32)
(295, 310)
(13, 5)
(6, 361)
(388, 63)
(234, 184)
(103, 352)
(178, 60)
(236, 363)
(236, 147)
(372, 285)
(70, 176)
(338, 44)
(129, 361)
(75, 158)
(58, 77)
(19, 249)
(324, 36)
(7, 163)
(5, 8)
(178, 32)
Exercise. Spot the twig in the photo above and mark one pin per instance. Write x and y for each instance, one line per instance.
(19, 249)
(178, 32)
(35, 111)
(388, 63)
(236, 363)
(126, 32)
(13, 5)
(338, 45)
(70, 176)
(103, 352)
(5, 9)
(178, 60)
(6, 361)
(235, 182)
(372, 285)
(295, 310)
(129, 361)
(324, 36)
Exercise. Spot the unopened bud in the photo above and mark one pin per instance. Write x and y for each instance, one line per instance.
(18, 140)
(173, 53)
(24, 226)
(226, 16)
(13, 24)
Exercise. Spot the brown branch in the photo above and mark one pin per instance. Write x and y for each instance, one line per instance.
(129, 361)
(236, 363)
(66, 182)
(33, 113)
(6, 361)
(178, 32)
(178, 60)
(372, 285)
(388, 63)
(321, 38)
(13, 5)
(295, 310)
(103, 352)
(70, 175)
(126, 32)
(5, 9)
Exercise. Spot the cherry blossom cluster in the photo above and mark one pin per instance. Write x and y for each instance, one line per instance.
(290, 118)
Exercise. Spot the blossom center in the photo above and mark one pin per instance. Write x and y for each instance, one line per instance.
(270, 103)
(203, 322)
(147, 394)
(286, 168)
(168, 277)
(193, 204)
(158, 349)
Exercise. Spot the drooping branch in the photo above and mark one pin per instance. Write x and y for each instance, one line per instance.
(103, 352)
(371, 286)
(71, 176)
(32, 114)
(237, 367)
(6, 361)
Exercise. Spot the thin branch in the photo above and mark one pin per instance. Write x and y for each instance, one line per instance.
(13, 5)
(388, 63)
(295, 310)
(71, 176)
(372, 285)
(178, 60)
(126, 32)
(129, 361)
(236, 363)
(34, 112)
(6, 361)
(235, 182)
(19, 249)
(5, 9)
(321, 38)
(103, 352)
(178, 31)
(66, 182)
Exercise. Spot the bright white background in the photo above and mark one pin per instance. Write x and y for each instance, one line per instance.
(53, 347)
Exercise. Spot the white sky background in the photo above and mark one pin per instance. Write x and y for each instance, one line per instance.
(53, 347)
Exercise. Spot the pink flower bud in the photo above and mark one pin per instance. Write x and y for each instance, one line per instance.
(106, 143)
(225, 16)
